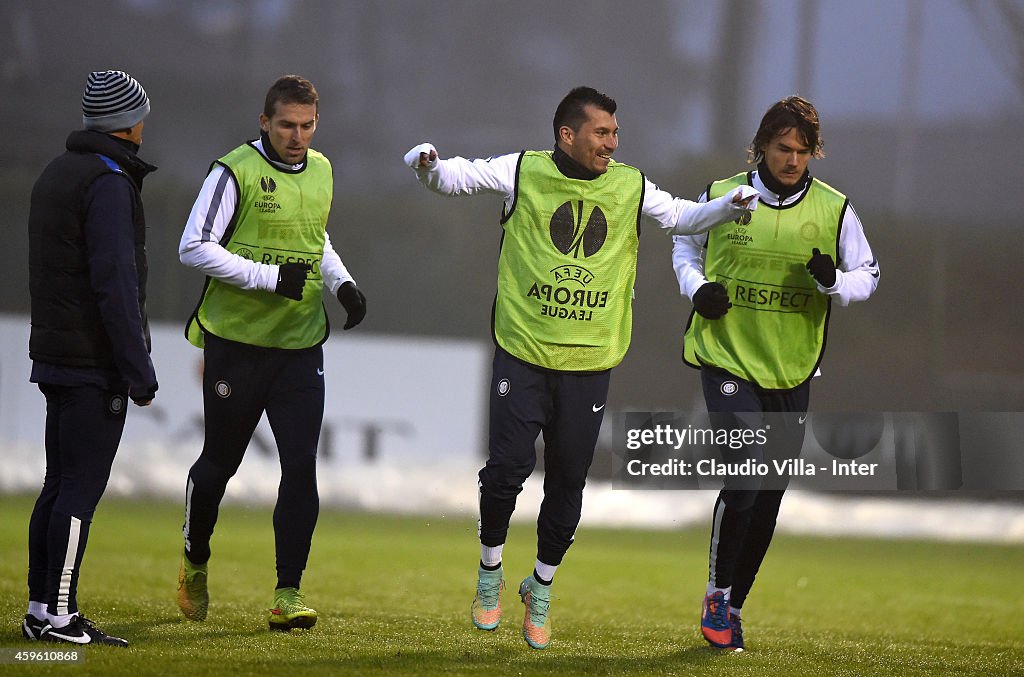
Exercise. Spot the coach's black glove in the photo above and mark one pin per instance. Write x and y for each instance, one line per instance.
(354, 302)
(711, 301)
(291, 278)
(822, 268)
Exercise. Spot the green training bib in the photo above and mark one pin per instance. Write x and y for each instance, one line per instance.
(567, 266)
(281, 217)
(774, 334)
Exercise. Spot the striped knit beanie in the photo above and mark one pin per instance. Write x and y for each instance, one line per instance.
(113, 100)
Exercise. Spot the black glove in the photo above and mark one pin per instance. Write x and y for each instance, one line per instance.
(145, 395)
(711, 301)
(822, 268)
(354, 302)
(291, 278)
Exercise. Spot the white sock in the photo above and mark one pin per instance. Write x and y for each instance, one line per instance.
(545, 571)
(37, 609)
(733, 611)
(712, 590)
(59, 621)
(491, 556)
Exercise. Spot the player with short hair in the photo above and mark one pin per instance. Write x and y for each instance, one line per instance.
(762, 290)
(258, 232)
(562, 320)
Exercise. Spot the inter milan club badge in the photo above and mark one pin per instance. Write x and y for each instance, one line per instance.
(223, 389)
(729, 388)
(116, 404)
(503, 387)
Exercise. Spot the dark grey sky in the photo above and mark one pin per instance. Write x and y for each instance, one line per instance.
(860, 52)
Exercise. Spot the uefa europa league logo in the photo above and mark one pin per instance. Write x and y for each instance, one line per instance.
(567, 235)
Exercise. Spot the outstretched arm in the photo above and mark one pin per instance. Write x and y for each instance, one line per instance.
(459, 176)
(683, 217)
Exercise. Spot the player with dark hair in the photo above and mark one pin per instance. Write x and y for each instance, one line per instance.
(762, 290)
(258, 231)
(562, 320)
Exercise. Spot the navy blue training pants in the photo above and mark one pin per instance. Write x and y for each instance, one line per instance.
(567, 409)
(83, 429)
(746, 510)
(240, 382)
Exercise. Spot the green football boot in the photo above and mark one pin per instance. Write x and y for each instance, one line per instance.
(193, 598)
(290, 611)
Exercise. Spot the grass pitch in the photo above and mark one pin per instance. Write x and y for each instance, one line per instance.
(394, 594)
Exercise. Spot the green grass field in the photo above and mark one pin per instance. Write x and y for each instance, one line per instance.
(394, 593)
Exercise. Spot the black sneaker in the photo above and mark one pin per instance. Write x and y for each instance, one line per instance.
(32, 627)
(79, 631)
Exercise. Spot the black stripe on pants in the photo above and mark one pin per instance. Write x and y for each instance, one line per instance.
(240, 382)
(83, 429)
(747, 507)
(567, 408)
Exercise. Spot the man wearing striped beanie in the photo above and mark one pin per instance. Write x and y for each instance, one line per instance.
(90, 342)
(113, 101)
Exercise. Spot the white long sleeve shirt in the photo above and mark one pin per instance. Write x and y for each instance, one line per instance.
(856, 268)
(497, 175)
(201, 248)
